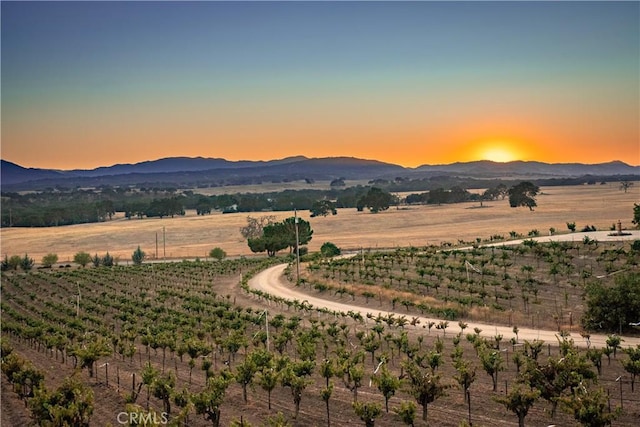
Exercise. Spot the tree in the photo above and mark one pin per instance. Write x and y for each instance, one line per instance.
(632, 364)
(217, 253)
(353, 374)
(367, 412)
(90, 352)
(323, 208)
(636, 215)
(245, 372)
(70, 405)
(519, 400)
(465, 375)
(492, 363)
(523, 194)
(325, 394)
(376, 200)
(612, 308)
(625, 185)
(108, 260)
(387, 384)
(590, 407)
(294, 376)
(82, 258)
(138, 256)
(339, 182)
(425, 387)
(49, 259)
(208, 401)
(281, 235)
(26, 263)
(557, 375)
(406, 412)
(254, 226)
(162, 388)
(329, 250)
(96, 260)
(268, 379)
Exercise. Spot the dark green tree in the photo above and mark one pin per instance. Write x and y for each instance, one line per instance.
(376, 200)
(323, 208)
(329, 250)
(217, 253)
(612, 308)
(523, 194)
(26, 263)
(281, 235)
(138, 256)
(636, 215)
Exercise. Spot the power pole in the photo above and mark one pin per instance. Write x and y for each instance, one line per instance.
(164, 243)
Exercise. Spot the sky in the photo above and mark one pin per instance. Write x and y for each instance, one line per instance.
(88, 84)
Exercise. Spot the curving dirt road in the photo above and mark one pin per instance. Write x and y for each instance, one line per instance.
(272, 282)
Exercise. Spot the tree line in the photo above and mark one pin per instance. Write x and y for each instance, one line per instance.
(56, 207)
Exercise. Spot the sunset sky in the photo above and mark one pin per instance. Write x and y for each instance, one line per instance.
(88, 84)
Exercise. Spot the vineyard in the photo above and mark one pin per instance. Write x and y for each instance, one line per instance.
(189, 343)
(531, 284)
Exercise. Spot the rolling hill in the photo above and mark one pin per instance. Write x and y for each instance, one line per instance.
(190, 172)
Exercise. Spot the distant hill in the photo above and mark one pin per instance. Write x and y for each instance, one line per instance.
(538, 169)
(188, 172)
(11, 173)
(179, 164)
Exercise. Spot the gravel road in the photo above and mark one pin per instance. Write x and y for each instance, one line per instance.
(272, 282)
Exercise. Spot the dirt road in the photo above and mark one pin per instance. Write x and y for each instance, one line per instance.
(272, 282)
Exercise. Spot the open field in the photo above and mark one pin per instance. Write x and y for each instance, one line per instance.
(194, 236)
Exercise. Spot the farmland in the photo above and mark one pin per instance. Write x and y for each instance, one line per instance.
(190, 340)
(193, 236)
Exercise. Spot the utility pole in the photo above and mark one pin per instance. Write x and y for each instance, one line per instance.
(295, 213)
(164, 244)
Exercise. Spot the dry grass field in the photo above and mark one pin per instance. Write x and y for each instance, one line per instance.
(195, 236)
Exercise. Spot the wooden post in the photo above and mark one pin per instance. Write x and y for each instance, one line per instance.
(469, 405)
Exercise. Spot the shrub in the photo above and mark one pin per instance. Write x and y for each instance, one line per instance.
(49, 259)
(329, 249)
(217, 253)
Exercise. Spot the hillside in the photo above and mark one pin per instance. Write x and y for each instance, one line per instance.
(199, 171)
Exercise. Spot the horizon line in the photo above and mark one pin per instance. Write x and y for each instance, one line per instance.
(312, 158)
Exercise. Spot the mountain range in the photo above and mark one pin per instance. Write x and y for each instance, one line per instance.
(199, 171)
